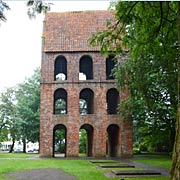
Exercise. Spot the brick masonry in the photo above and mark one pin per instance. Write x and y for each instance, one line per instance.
(73, 121)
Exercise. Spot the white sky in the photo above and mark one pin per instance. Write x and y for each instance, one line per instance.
(20, 38)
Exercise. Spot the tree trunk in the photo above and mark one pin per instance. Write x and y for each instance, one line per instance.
(12, 146)
(24, 145)
(175, 170)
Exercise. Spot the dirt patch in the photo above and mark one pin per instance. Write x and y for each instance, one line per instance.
(40, 174)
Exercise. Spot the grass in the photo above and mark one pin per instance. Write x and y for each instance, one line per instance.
(16, 155)
(82, 169)
(155, 160)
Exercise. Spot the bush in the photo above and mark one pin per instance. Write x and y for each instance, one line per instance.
(136, 151)
(143, 147)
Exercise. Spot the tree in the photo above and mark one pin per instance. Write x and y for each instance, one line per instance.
(83, 141)
(37, 7)
(60, 140)
(20, 111)
(3, 6)
(34, 7)
(8, 114)
(146, 33)
(28, 108)
(60, 106)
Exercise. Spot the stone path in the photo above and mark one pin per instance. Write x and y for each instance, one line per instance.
(40, 174)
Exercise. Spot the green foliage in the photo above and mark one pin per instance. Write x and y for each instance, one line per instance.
(8, 114)
(36, 7)
(19, 110)
(28, 107)
(145, 34)
(60, 106)
(83, 141)
(136, 151)
(4, 134)
(60, 140)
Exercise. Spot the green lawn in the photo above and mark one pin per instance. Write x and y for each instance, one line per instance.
(154, 160)
(80, 168)
(16, 155)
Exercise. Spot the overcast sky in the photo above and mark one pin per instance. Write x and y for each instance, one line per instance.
(20, 38)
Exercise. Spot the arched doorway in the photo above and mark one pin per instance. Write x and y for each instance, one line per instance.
(112, 140)
(86, 140)
(59, 141)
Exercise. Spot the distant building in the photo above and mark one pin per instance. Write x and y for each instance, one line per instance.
(5, 146)
(78, 90)
(18, 146)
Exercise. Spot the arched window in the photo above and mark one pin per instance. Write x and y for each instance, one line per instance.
(60, 101)
(85, 68)
(110, 64)
(112, 99)
(86, 102)
(60, 68)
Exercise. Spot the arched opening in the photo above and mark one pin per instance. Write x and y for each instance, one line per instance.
(86, 99)
(110, 64)
(60, 68)
(85, 68)
(59, 141)
(112, 140)
(60, 101)
(112, 99)
(86, 140)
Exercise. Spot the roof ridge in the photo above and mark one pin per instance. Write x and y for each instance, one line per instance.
(68, 12)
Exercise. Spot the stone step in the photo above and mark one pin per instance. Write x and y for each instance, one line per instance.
(136, 172)
(117, 166)
(102, 162)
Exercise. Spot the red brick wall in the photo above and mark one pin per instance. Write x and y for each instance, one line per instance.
(73, 120)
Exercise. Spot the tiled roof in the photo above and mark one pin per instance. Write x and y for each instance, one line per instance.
(70, 31)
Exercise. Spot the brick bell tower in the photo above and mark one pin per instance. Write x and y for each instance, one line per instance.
(78, 90)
